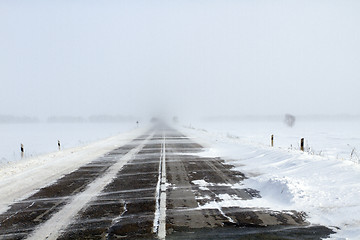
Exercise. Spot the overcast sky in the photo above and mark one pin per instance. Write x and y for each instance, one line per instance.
(182, 57)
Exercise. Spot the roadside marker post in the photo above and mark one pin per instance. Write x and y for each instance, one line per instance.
(302, 144)
(22, 150)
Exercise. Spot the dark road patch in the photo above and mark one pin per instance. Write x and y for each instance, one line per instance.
(126, 207)
(251, 233)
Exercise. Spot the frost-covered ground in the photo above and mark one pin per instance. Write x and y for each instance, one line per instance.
(41, 138)
(326, 186)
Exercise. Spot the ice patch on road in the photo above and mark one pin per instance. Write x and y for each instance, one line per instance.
(218, 205)
(203, 183)
(227, 197)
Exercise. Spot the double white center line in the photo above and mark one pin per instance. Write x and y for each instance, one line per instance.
(160, 213)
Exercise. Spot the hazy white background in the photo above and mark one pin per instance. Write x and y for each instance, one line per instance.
(196, 58)
(179, 57)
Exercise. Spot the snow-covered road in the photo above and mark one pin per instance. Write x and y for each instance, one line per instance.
(153, 183)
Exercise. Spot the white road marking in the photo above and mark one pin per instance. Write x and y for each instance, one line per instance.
(52, 228)
(159, 225)
(157, 197)
(162, 220)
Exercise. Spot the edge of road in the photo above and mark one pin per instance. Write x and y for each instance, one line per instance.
(26, 177)
(51, 229)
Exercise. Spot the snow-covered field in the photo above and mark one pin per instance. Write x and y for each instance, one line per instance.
(331, 139)
(325, 186)
(41, 138)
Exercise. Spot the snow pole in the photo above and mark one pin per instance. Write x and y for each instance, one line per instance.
(272, 140)
(302, 144)
(22, 150)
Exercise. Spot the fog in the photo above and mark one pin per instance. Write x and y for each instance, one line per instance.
(184, 58)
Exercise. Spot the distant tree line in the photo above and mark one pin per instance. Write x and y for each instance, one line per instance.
(67, 119)
(17, 119)
(93, 119)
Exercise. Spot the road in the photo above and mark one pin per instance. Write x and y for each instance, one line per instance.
(146, 190)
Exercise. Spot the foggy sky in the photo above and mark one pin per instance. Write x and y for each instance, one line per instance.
(180, 57)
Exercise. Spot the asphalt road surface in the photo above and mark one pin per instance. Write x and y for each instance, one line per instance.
(146, 190)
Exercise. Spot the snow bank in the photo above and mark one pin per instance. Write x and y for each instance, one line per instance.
(326, 188)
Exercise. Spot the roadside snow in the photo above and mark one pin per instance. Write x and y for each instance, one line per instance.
(42, 138)
(20, 179)
(51, 229)
(327, 189)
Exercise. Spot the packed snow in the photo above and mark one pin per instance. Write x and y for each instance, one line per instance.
(325, 186)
